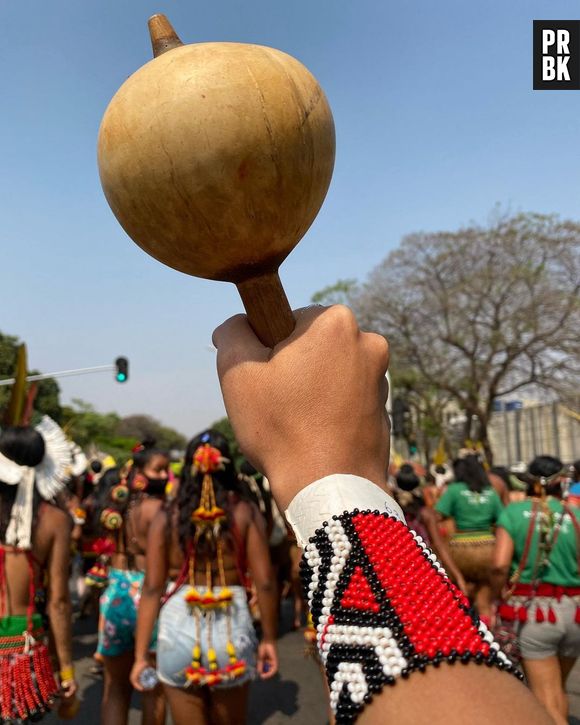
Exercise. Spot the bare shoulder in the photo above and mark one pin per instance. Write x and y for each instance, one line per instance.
(54, 520)
(53, 525)
(150, 507)
(161, 517)
(245, 514)
(497, 482)
(243, 511)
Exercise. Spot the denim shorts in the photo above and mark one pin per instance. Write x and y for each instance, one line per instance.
(176, 637)
(539, 640)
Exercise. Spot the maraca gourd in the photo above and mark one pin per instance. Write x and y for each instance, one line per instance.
(215, 158)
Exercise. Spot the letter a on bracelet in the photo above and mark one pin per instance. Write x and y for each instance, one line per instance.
(383, 607)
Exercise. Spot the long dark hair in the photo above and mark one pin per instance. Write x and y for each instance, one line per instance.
(409, 496)
(103, 500)
(25, 446)
(544, 467)
(470, 471)
(225, 485)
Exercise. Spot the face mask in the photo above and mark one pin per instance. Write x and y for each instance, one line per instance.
(156, 486)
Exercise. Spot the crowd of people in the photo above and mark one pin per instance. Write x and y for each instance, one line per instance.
(511, 542)
(186, 572)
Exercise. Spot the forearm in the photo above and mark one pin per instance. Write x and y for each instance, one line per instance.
(498, 580)
(60, 615)
(455, 696)
(384, 609)
(149, 607)
(266, 591)
(440, 547)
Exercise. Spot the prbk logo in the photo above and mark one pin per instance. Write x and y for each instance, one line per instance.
(556, 55)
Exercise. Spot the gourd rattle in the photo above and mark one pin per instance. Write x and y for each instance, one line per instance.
(215, 158)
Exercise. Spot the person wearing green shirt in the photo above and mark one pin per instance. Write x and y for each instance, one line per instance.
(473, 504)
(538, 547)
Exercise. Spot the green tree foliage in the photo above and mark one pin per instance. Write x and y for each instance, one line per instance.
(339, 293)
(86, 426)
(48, 392)
(141, 427)
(224, 427)
(47, 400)
(112, 434)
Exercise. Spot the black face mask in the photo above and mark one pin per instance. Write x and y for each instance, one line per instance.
(156, 486)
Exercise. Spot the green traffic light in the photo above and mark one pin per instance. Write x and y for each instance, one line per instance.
(122, 369)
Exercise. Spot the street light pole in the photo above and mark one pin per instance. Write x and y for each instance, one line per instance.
(62, 374)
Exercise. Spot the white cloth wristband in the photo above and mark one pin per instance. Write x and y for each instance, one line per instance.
(333, 495)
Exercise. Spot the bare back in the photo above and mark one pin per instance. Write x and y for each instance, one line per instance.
(241, 517)
(50, 546)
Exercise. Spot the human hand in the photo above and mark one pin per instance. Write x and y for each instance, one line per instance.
(68, 689)
(136, 671)
(267, 664)
(462, 584)
(312, 406)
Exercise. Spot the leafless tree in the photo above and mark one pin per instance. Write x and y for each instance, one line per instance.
(482, 312)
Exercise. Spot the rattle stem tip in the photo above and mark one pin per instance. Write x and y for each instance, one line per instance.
(267, 307)
(163, 36)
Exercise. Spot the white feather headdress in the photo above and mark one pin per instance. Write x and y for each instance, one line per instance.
(55, 469)
(50, 477)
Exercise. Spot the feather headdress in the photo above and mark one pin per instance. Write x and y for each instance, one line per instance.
(50, 477)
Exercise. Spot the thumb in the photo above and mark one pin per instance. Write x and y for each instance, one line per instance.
(236, 342)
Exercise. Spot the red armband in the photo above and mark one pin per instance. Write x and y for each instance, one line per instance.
(383, 608)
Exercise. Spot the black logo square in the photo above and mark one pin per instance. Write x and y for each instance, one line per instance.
(556, 55)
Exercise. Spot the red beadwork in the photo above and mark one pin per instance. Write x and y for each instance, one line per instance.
(416, 589)
(27, 684)
(358, 594)
(392, 606)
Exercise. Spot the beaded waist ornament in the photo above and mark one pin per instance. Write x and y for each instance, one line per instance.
(384, 608)
(27, 683)
(208, 519)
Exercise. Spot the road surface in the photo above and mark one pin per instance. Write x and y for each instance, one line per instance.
(296, 695)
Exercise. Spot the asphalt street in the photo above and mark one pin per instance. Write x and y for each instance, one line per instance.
(295, 695)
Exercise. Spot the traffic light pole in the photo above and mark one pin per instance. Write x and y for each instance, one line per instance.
(62, 374)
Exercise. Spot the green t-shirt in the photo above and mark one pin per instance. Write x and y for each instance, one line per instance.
(471, 511)
(562, 568)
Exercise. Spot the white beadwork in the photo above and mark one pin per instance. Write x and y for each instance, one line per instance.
(340, 550)
(351, 674)
(313, 559)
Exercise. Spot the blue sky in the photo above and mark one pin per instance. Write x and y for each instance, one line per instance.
(436, 122)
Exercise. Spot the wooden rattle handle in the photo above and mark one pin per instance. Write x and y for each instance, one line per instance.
(267, 307)
(163, 36)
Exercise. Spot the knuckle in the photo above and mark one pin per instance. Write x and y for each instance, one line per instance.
(341, 317)
(380, 349)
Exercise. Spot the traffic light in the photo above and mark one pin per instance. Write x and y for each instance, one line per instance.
(401, 418)
(122, 370)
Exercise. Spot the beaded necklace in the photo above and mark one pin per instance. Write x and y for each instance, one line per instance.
(208, 519)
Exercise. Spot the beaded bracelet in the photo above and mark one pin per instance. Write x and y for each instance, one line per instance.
(383, 607)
